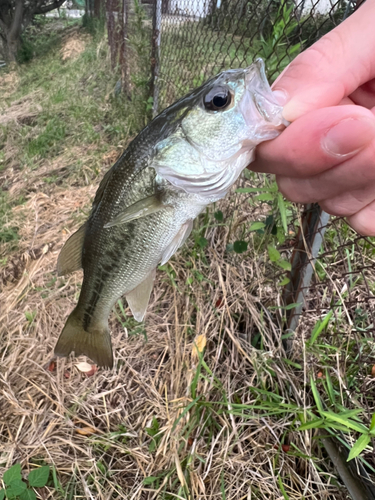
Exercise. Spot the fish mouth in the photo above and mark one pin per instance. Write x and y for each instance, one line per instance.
(259, 105)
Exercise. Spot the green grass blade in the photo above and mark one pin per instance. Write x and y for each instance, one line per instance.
(222, 486)
(343, 420)
(285, 495)
(350, 413)
(319, 327)
(372, 425)
(330, 391)
(194, 383)
(316, 395)
(189, 406)
(312, 424)
(359, 446)
(282, 209)
(56, 482)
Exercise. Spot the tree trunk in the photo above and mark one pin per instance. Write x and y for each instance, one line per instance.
(99, 9)
(14, 19)
(12, 46)
(12, 32)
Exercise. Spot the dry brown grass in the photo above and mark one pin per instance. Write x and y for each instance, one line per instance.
(43, 410)
(8, 84)
(22, 111)
(73, 45)
(218, 436)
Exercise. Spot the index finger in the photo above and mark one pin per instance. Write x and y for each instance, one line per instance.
(333, 67)
(317, 141)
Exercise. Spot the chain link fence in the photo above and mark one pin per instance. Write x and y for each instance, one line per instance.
(327, 270)
(197, 39)
(178, 44)
(165, 48)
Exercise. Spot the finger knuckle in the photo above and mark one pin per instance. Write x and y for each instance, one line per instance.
(291, 189)
(318, 55)
(337, 207)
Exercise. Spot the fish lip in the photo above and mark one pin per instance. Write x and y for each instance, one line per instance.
(258, 69)
(261, 95)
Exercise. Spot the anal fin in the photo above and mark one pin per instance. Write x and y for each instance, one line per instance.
(138, 298)
(70, 258)
(141, 208)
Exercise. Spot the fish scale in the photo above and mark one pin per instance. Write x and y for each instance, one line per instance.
(186, 158)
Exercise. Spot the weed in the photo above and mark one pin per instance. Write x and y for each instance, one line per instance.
(140, 69)
(30, 316)
(38, 40)
(345, 421)
(94, 25)
(75, 112)
(154, 432)
(8, 232)
(49, 141)
(17, 488)
(275, 48)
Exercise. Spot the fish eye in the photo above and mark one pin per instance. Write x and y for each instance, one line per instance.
(217, 99)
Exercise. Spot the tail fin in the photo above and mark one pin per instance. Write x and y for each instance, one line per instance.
(94, 343)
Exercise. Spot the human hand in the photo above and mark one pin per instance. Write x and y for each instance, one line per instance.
(327, 154)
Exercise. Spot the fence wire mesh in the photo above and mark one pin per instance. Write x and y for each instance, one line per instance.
(168, 47)
(165, 48)
(199, 38)
(194, 40)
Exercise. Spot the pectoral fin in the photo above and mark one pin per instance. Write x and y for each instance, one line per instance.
(180, 238)
(141, 208)
(70, 258)
(139, 297)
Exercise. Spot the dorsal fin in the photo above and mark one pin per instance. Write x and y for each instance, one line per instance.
(70, 258)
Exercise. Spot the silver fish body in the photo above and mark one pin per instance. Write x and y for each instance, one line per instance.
(186, 158)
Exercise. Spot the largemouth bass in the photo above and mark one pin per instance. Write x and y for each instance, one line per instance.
(186, 158)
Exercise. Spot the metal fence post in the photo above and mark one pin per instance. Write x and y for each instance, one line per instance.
(309, 240)
(124, 62)
(111, 30)
(155, 55)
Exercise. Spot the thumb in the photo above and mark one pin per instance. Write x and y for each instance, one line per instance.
(333, 67)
